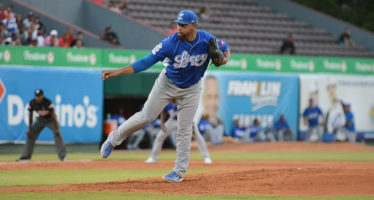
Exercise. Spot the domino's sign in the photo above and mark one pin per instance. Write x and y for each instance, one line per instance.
(68, 115)
(76, 95)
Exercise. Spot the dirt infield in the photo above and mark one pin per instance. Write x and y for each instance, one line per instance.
(251, 177)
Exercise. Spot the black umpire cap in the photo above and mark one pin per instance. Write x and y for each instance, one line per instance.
(39, 92)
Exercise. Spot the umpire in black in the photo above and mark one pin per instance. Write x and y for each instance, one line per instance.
(47, 117)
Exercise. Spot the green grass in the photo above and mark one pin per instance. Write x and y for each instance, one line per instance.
(238, 156)
(147, 196)
(57, 177)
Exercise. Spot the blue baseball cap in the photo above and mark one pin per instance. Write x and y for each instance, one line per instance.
(186, 17)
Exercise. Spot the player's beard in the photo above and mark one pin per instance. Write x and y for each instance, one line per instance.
(184, 35)
(180, 35)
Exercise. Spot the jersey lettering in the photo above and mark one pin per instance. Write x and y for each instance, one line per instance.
(181, 61)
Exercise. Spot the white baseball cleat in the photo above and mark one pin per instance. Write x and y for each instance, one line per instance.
(208, 161)
(150, 160)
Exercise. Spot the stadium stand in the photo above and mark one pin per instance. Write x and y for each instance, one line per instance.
(50, 23)
(246, 26)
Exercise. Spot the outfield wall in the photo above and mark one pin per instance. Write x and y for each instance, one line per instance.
(77, 96)
(71, 79)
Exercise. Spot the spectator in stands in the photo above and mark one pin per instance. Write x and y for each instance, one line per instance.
(79, 38)
(28, 40)
(33, 30)
(38, 23)
(22, 33)
(9, 12)
(64, 40)
(124, 7)
(18, 42)
(3, 31)
(2, 11)
(40, 37)
(288, 46)
(29, 20)
(13, 39)
(282, 130)
(78, 44)
(115, 7)
(7, 41)
(100, 2)
(52, 39)
(33, 43)
(30, 36)
(19, 20)
(10, 23)
(205, 15)
(119, 7)
(345, 38)
(311, 118)
(109, 36)
(172, 28)
(70, 34)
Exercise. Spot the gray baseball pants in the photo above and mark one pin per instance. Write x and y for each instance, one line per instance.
(163, 91)
(36, 128)
(171, 126)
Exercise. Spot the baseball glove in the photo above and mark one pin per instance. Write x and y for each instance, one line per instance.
(215, 53)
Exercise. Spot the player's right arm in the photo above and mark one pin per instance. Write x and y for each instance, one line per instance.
(159, 53)
(113, 73)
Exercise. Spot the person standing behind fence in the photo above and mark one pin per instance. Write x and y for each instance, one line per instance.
(311, 117)
(47, 117)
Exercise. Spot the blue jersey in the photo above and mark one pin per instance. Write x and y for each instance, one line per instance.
(203, 125)
(156, 123)
(237, 131)
(349, 119)
(185, 62)
(281, 125)
(312, 115)
(254, 129)
(171, 109)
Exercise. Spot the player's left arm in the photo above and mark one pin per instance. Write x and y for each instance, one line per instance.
(227, 57)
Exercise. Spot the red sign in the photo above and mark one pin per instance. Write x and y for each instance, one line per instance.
(2, 90)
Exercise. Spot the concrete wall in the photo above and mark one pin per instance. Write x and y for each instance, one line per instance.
(131, 34)
(68, 10)
(320, 20)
